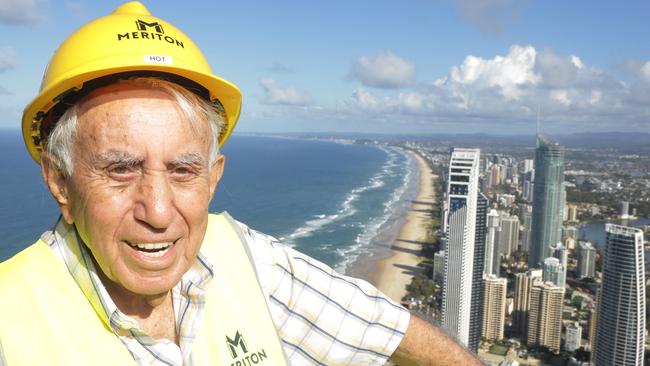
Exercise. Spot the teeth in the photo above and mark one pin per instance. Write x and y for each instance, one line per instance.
(156, 254)
(151, 246)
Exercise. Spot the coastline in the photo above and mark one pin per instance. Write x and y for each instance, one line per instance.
(391, 268)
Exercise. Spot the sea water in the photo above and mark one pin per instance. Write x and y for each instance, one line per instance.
(333, 201)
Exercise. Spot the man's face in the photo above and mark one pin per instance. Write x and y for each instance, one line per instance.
(141, 187)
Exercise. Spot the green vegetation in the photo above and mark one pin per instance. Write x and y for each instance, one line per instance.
(496, 349)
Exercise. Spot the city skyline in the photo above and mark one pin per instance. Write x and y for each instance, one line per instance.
(440, 67)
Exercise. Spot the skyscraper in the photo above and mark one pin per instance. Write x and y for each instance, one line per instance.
(586, 260)
(523, 284)
(509, 234)
(526, 217)
(548, 200)
(573, 337)
(621, 301)
(560, 252)
(554, 271)
(476, 308)
(545, 316)
(494, 307)
(492, 255)
(460, 240)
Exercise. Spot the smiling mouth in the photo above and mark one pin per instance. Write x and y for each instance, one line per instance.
(153, 250)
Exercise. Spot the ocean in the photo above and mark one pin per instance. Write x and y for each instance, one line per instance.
(332, 200)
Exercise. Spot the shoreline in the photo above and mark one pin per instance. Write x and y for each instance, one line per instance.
(391, 268)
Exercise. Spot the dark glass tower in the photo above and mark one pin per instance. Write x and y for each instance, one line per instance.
(548, 200)
(620, 327)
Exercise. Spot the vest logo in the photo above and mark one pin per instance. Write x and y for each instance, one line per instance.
(152, 31)
(245, 358)
(233, 344)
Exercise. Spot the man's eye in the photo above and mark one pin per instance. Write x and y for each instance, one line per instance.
(183, 172)
(120, 172)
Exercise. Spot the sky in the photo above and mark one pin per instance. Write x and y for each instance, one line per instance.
(392, 67)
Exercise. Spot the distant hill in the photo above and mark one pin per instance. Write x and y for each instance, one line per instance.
(628, 142)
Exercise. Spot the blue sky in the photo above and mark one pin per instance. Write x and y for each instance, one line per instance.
(384, 66)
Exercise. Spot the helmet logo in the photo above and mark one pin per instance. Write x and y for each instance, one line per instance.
(142, 25)
(149, 31)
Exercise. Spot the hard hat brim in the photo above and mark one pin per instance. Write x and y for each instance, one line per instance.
(219, 89)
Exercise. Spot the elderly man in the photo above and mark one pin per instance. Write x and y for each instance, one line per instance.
(127, 129)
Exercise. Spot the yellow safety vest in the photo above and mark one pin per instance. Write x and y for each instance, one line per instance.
(45, 319)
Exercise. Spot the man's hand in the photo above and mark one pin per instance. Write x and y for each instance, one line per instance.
(427, 345)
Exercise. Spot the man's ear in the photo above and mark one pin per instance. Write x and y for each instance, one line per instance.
(57, 183)
(216, 171)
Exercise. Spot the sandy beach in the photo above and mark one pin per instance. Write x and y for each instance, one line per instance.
(391, 273)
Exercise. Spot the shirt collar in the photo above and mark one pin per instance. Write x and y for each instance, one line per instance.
(67, 244)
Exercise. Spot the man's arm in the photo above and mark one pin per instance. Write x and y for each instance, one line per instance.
(428, 345)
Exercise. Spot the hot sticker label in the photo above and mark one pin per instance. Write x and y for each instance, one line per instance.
(158, 59)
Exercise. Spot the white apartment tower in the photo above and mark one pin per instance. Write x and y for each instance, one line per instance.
(586, 260)
(494, 307)
(621, 301)
(492, 255)
(545, 316)
(460, 231)
(509, 234)
(573, 337)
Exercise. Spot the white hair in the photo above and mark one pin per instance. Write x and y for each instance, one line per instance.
(59, 144)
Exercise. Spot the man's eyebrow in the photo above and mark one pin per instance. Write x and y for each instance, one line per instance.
(190, 158)
(115, 156)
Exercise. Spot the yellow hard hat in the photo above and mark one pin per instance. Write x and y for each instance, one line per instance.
(127, 41)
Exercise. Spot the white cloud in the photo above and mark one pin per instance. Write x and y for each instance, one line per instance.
(7, 58)
(385, 70)
(509, 74)
(276, 95)
(645, 70)
(490, 15)
(506, 89)
(21, 11)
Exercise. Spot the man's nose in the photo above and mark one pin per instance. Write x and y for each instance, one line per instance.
(155, 203)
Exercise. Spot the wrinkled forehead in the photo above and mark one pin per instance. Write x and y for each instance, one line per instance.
(118, 102)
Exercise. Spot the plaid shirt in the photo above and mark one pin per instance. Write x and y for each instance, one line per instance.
(322, 318)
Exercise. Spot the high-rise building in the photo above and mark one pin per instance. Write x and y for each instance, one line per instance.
(460, 240)
(554, 272)
(621, 302)
(494, 307)
(528, 165)
(476, 308)
(627, 211)
(573, 337)
(508, 235)
(586, 260)
(593, 318)
(495, 175)
(526, 217)
(492, 253)
(545, 316)
(523, 284)
(548, 200)
(560, 252)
